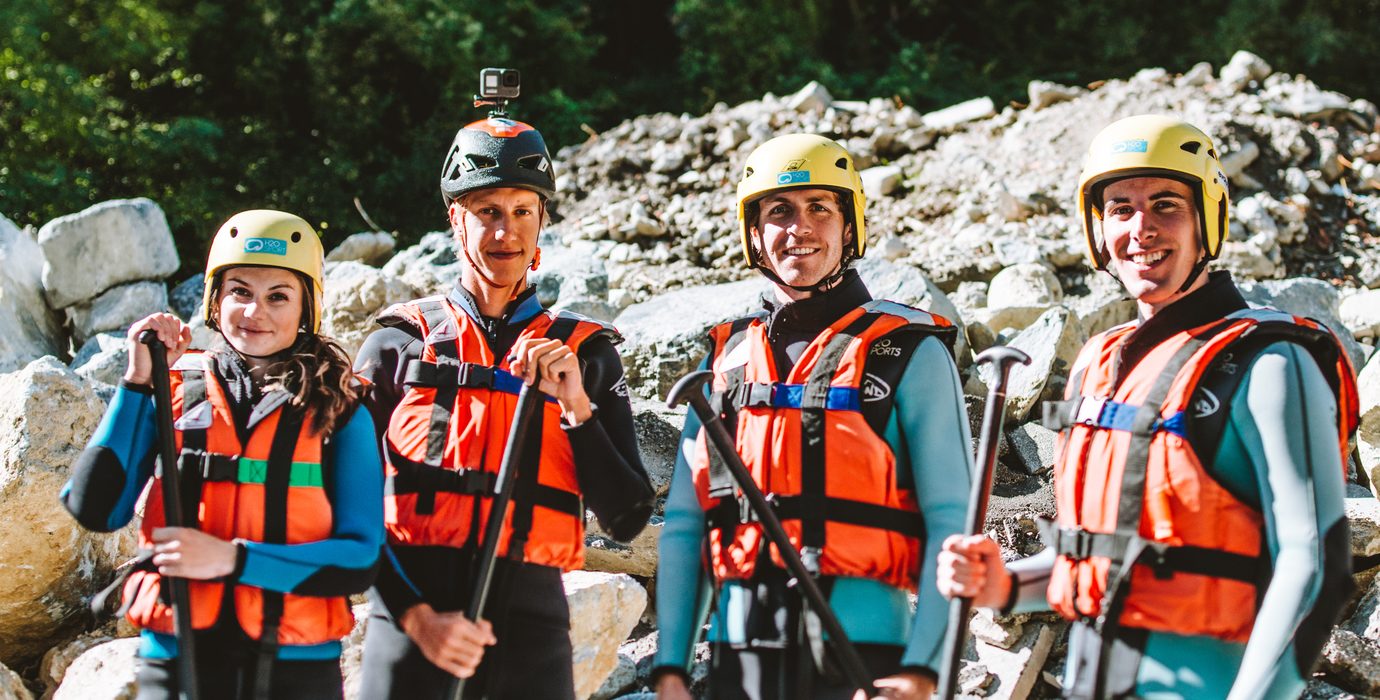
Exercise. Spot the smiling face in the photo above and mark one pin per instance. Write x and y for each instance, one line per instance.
(801, 234)
(259, 309)
(1150, 230)
(498, 228)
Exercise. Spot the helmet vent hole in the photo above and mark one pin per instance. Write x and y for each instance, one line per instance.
(1213, 152)
(480, 162)
(841, 164)
(1191, 147)
(747, 173)
(536, 161)
(296, 236)
(234, 231)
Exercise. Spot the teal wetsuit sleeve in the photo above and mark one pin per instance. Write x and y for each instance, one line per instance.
(111, 472)
(1283, 427)
(932, 440)
(345, 562)
(682, 584)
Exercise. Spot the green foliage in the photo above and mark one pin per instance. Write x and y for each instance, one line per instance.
(212, 106)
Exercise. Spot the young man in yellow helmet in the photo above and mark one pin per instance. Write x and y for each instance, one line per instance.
(1200, 546)
(849, 413)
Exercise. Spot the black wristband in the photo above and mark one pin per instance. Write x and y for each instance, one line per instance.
(138, 388)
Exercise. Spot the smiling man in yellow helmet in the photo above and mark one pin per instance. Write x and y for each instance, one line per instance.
(849, 412)
(1200, 546)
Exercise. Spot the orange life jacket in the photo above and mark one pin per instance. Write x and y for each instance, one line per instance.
(270, 488)
(1146, 538)
(446, 439)
(831, 477)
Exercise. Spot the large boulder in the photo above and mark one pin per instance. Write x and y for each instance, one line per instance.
(123, 240)
(666, 334)
(105, 672)
(102, 358)
(51, 564)
(354, 294)
(368, 247)
(116, 309)
(1351, 662)
(1052, 343)
(604, 608)
(1360, 312)
(430, 266)
(1312, 298)
(28, 329)
(1368, 437)
(55, 663)
(1024, 284)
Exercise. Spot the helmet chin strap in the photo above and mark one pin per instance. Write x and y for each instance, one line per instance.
(1198, 268)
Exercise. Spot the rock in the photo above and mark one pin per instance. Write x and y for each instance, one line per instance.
(51, 564)
(1234, 163)
(1104, 306)
(129, 237)
(1368, 436)
(12, 686)
(1052, 343)
(103, 358)
(1044, 93)
(367, 247)
(572, 275)
(352, 651)
(1018, 670)
(1351, 662)
(354, 294)
(623, 678)
(1360, 313)
(116, 309)
(636, 558)
(104, 672)
(892, 248)
(28, 329)
(1363, 515)
(959, 114)
(1314, 299)
(1244, 67)
(430, 266)
(880, 181)
(1319, 690)
(999, 631)
(811, 98)
(1032, 445)
(658, 440)
(1196, 76)
(58, 659)
(185, 298)
(603, 610)
(665, 335)
(1027, 284)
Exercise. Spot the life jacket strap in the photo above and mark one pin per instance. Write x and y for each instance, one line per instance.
(783, 395)
(1107, 415)
(465, 375)
(1165, 559)
(731, 512)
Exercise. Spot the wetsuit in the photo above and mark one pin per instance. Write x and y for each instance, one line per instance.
(527, 604)
(1270, 420)
(756, 653)
(119, 461)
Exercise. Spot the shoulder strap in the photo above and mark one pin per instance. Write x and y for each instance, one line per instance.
(720, 479)
(275, 513)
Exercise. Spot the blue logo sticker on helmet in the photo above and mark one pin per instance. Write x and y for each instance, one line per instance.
(1132, 146)
(267, 246)
(792, 177)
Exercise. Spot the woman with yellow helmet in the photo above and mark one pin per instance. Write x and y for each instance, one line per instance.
(849, 413)
(277, 462)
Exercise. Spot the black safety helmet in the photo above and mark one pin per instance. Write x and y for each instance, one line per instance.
(497, 152)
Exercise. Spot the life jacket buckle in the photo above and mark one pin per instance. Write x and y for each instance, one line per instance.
(476, 481)
(810, 556)
(1089, 411)
(475, 376)
(758, 394)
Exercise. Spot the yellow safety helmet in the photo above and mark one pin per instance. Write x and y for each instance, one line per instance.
(800, 161)
(266, 238)
(1151, 145)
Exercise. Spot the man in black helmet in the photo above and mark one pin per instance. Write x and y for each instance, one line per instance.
(445, 372)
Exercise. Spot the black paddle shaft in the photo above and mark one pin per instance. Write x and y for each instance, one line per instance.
(173, 513)
(1002, 358)
(690, 389)
(528, 402)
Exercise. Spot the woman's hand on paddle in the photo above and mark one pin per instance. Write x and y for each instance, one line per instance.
(189, 553)
(175, 334)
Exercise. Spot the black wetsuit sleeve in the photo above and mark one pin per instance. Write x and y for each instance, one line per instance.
(383, 361)
(607, 462)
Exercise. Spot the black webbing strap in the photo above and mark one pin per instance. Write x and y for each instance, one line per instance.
(416, 477)
(729, 513)
(720, 479)
(1132, 498)
(814, 505)
(279, 473)
(525, 489)
(1164, 559)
